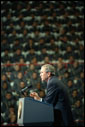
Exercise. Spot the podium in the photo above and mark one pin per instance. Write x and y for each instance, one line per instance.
(34, 113)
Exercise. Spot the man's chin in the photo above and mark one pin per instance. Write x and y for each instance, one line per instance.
(42, 80)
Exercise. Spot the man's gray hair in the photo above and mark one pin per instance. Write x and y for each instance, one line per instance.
(49, 68)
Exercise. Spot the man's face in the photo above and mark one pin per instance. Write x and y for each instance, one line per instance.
(43, 74)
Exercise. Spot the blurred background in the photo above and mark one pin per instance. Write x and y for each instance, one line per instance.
(34, 33)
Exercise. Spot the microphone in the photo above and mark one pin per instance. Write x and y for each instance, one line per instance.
(27, 87)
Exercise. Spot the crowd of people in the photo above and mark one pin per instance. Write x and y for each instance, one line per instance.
(34, 33)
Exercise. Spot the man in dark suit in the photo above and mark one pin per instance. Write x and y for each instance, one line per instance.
(56, 95)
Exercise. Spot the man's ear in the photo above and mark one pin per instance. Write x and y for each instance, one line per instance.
(49, 74)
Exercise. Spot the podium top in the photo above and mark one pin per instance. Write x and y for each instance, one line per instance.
(29, 98)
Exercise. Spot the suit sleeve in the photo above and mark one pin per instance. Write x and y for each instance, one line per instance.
(52, 94)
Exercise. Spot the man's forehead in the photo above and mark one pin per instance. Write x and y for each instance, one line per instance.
(42, 69)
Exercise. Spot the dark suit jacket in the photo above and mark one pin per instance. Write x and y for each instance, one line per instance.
(58, 96)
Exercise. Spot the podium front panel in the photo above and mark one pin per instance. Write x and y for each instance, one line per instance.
(35, 113)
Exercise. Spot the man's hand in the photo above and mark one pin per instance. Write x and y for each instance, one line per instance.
(35, 96)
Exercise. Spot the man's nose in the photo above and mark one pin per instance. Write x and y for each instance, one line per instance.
(40, 74)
